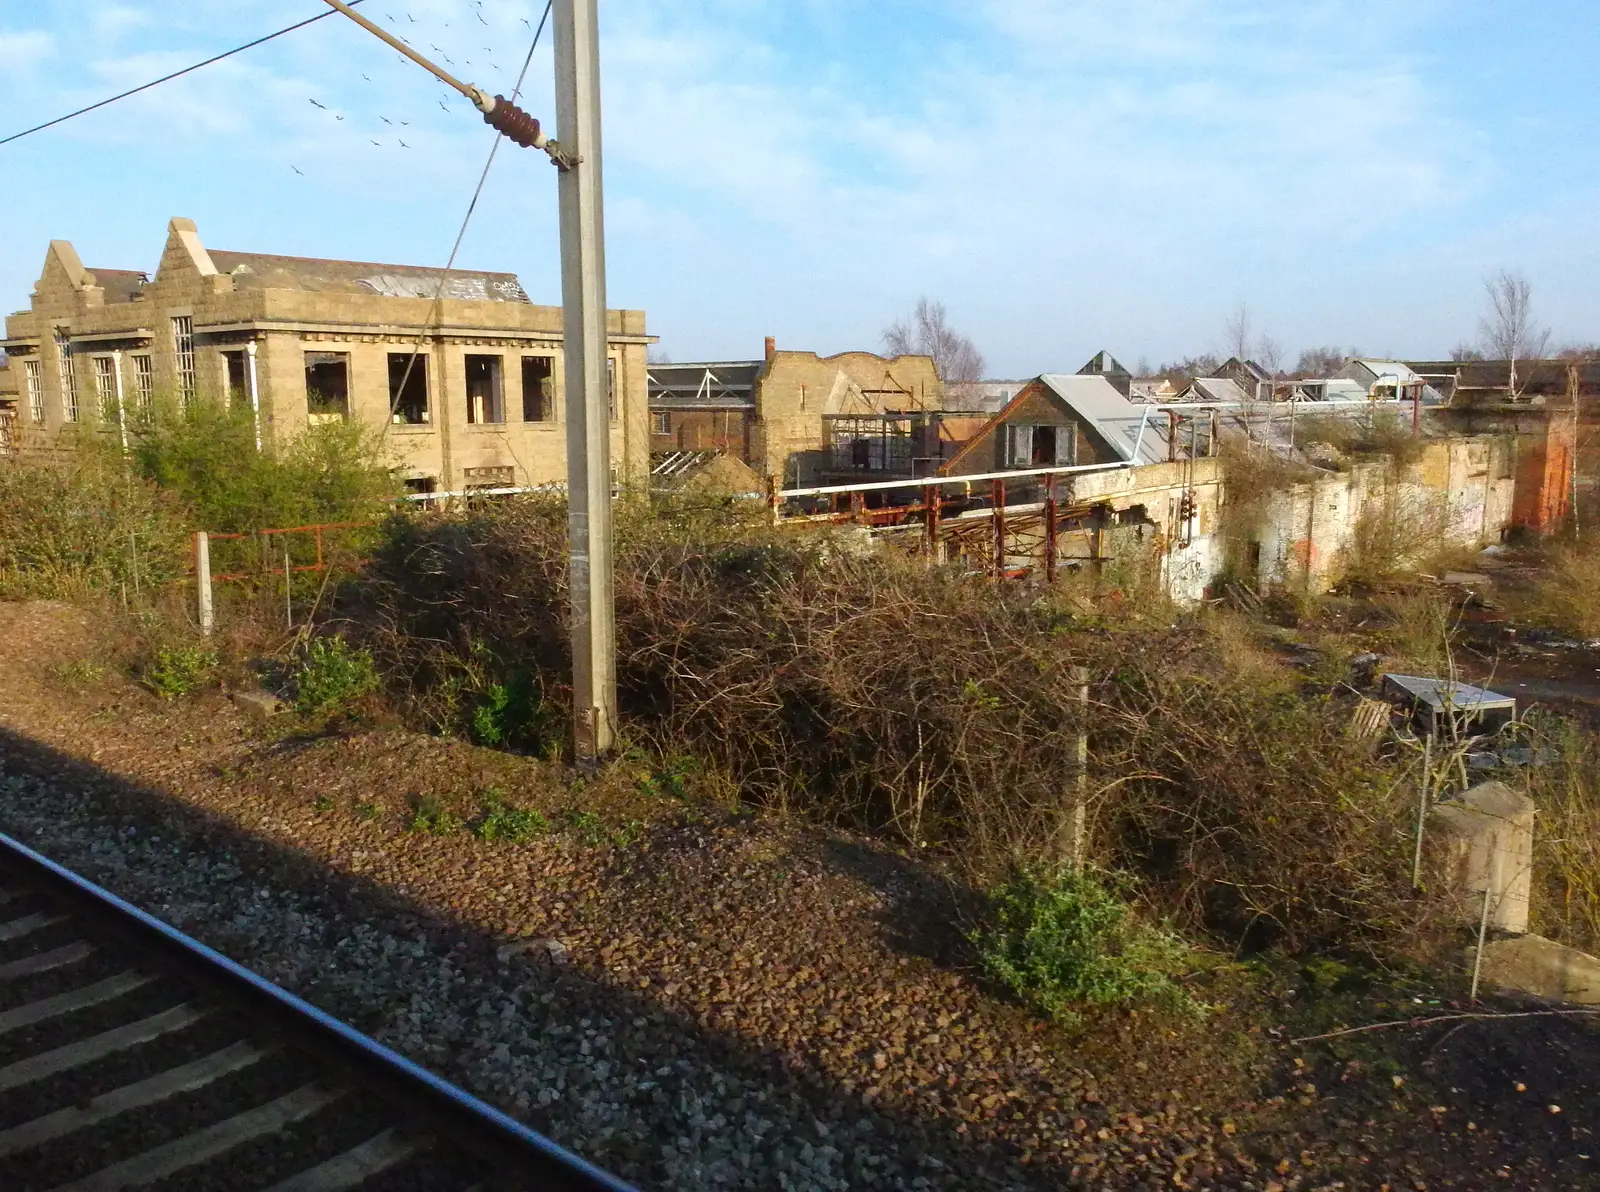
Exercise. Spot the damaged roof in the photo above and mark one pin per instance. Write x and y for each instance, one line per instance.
(264, 271)
(712, 385)
(120, 285)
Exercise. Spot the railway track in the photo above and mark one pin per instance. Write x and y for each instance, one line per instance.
(132, 1056)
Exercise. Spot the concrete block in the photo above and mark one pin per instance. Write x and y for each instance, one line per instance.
(258, 703)
(1544, 968)
(1465, 579)
(1484, 840)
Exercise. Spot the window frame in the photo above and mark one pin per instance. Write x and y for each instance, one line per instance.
(183, 361)
(496, 398)
(144, 385)
(547, 399)
(105, 385)
(398, 407)
(69, 376)
(33, 384)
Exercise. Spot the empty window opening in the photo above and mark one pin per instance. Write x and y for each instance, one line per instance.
(35, 383)
(238, 380)
(183, 351)
(144, 387)
(105, 387)
(408, 388)
(611, 388)
(422, 484)
(69, 377)
(485, 395)
(661, 423)
(327, 385)
(538, 389)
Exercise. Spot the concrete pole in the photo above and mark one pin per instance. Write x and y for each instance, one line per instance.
(122, 411)
(583, 299)
(255, 392)
(202, 575)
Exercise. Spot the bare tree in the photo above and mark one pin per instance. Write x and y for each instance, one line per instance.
(1269, 354)
(928, 333)
(1465, 353)
(656, 355)
(1507, 326)
(1320, 363)
(1236, 333)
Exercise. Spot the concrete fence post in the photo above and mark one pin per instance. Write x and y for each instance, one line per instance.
(202, 575)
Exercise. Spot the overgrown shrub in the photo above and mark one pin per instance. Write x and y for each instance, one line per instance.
(1063, 941)
(1564, 783)
(1376, 433)
(332, 675)
(877, 691)
(85, 528)
(207, 458)
(178, 670)
(1566, 596)
(1397, 530)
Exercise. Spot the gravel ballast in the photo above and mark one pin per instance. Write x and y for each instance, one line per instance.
(703, 1001)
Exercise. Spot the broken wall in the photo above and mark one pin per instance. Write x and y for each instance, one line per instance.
(1309, 535)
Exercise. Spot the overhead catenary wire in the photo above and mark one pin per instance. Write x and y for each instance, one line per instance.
(249, 45)
(472, 206)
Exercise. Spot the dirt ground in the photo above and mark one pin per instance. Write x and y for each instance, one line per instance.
(826, 965)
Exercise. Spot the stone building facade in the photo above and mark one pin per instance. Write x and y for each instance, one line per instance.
(784, 414)
(300, 341)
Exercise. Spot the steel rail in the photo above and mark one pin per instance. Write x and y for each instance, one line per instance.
(476, 1127)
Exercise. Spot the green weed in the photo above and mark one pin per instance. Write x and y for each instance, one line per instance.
(501, 821)
(178, 670)
(515, 714)
(587, 826)
(366, 811)
(322, 803)
(672, 780)
(431, 817)
(332, 675)
(1064, 940)
(76, 676)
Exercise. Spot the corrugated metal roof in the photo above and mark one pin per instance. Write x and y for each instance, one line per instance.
(716, 385)
(263, 271)
(1096, 400)
(1215, 389)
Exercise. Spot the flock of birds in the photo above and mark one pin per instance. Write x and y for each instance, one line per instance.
(477, 11)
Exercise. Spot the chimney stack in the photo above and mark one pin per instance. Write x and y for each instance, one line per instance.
(772, 347)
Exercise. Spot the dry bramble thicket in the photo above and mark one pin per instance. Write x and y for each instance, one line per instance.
(872, 690)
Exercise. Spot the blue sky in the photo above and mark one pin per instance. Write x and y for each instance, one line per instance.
(1065, 175)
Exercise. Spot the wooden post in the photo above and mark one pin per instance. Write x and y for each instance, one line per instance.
(1074, 826)
(1172, 435)
(999, 500)
(858, 506)
(1424, 801)
(930, 522)
(202, 575)
(774, 505)
(1050, 529)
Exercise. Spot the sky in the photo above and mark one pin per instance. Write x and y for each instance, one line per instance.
(1064, 175)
